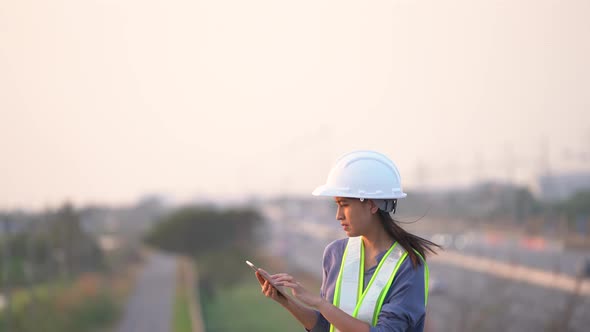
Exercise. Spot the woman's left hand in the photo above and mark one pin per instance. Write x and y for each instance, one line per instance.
(300, 293)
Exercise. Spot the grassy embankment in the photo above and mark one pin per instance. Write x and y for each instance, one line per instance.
(243, 308)
(88, 303)
(181, 320)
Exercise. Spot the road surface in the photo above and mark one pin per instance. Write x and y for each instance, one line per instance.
(150, 305)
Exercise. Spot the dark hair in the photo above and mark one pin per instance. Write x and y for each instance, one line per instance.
(410, 242)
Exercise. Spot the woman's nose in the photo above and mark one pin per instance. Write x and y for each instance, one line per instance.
(339, 214)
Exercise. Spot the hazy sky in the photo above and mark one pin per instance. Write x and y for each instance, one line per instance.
(105, 100)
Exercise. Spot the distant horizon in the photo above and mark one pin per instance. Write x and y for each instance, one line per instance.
(171, 199)
(412, 184)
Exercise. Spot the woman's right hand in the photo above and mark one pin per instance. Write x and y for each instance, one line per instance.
(269, 291)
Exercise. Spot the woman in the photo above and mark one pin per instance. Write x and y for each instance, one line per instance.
(376, 279)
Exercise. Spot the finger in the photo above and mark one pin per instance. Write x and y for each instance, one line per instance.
(264, 274)
(291, 285)
(284, 278)
(278, 275)
(270, 286)
(272, 292)
(260, 278)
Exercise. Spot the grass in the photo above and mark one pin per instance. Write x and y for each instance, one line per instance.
(85, 304)
(182, 319)
(243, 309)
(23, 296)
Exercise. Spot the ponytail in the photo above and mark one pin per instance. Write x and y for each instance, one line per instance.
(413, 244)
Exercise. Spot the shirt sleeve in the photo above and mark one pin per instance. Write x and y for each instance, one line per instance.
(322, 324)
(404, 306)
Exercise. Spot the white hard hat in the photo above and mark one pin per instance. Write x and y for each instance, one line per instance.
(363, 174)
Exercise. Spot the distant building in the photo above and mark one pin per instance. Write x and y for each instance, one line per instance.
(562, 186)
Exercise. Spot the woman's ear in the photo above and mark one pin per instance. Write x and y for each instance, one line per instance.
(373, 207)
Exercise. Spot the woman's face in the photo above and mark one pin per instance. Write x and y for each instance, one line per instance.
(354, 215)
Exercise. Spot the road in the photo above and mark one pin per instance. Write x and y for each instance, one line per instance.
(466, 300)
(150, 305)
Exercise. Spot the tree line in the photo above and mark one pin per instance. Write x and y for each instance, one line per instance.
(218, 239)
(38, 247)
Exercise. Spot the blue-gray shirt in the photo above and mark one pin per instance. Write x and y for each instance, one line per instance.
(403, 308)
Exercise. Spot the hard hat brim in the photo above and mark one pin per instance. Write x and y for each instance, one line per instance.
(326, 190)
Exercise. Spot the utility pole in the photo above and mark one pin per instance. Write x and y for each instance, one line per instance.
(510, 181)
(478, 168)
(422, 176)
(545, 163)
(548, 188)
(510, 163)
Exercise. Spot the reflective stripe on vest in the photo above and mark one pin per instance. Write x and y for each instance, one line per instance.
(349, 295)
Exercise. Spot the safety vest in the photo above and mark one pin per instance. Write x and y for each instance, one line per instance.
(349, 295)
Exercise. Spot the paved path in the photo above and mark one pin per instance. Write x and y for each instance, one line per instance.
(513, 271)
(150, 305)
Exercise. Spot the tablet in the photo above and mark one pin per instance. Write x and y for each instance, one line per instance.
(267, 277)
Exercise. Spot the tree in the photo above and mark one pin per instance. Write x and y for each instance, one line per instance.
(220, 240)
